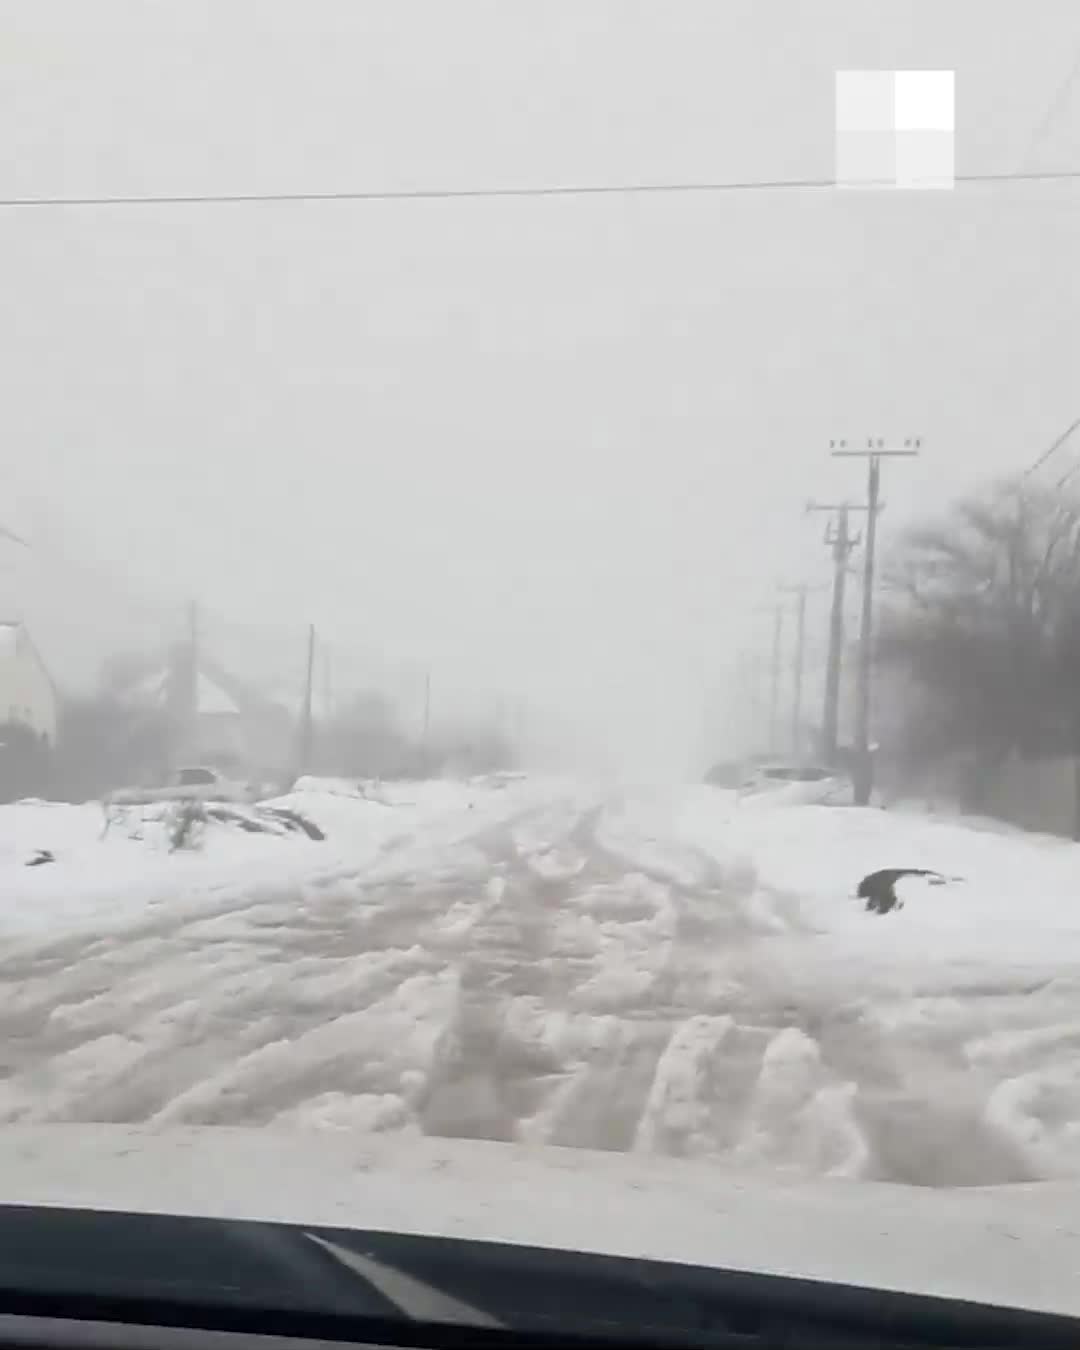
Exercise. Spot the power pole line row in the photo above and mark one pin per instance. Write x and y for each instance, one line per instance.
(774, 686)
(778, 612)
(842, 542)
(306, 728)
(874, 452)
(798, 661)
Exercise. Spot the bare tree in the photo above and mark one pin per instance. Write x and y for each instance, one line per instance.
(109, 739)
(985, 620)
(363, 739)
(470, 748)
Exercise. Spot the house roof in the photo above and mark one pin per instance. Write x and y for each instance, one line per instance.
(10, 630)
(211, 695)
(211, 698)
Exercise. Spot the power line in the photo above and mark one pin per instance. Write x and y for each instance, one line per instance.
(798, 660)
(1053, 108)
(1050, 450)
(12, 537)
(1067, 477)
(490, 193)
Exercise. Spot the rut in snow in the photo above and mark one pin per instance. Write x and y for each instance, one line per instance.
(571, 974)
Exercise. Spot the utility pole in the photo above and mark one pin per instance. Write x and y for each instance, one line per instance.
(840, 539)
(194, 654)
(774, 692)
(874, 453)
(190, 693)
(800, 652)
(306, 727)
(746, 690)
(328, 683)
(798, 662)
(519, 721)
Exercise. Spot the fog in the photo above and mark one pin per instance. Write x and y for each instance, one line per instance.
(552, 451)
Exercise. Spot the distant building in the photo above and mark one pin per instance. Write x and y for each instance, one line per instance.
(222, 731)
(27, 694)
(28, 716)
(217, 719)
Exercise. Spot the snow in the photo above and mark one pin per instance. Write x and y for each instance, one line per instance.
(655, 973)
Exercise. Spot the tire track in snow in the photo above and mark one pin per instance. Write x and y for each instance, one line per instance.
(240, 1012)
(573, 913)
(126, 1025)
(571, 973)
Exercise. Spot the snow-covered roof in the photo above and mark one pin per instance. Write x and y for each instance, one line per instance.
(10, 649)
(211, 698)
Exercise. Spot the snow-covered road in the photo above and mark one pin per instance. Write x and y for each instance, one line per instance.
(662, 972)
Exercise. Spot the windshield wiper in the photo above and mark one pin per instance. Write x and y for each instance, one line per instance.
(415, 1298)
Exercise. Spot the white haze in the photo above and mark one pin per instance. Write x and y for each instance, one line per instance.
(554, 450)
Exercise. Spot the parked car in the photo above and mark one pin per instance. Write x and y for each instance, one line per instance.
(190, 783)
(725, 774)
(793, 782)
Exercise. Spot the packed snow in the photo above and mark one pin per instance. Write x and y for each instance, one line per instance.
(674, 973)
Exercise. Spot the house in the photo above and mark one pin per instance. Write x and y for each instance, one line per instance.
(27, 695)
(221, 732)
(217, 719)
(28, 716)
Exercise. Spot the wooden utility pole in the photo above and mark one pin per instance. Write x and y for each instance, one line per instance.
(191, 666)
(874, 453)
(746, 687)
(774, 690)
(303, 754)
(328, 708)
(798, 662)
(519, 718)
(193, 636)
(800, 654)
(841, 541)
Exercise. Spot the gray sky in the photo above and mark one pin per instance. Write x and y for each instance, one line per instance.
(557, 447)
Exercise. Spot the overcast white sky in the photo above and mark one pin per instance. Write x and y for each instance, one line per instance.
(556, 447)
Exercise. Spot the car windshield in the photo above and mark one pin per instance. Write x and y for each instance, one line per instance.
(540, 621)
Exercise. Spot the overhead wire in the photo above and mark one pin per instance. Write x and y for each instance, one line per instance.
(524, 191)
(1053, 108)
(1051, 450)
